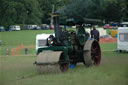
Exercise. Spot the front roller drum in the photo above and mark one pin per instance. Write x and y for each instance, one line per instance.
(51, 61)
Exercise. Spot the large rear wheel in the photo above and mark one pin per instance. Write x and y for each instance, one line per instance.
(92, 53)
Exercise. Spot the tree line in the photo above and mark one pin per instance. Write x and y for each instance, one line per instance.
(105, 10)
(39, 11)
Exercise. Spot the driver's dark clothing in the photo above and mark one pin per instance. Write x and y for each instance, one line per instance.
(95, 34)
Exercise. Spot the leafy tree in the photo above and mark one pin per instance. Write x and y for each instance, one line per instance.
(33, 11)
(39, 11)
(81, 9)
(110, 10)
(19, 12)
(47, 5)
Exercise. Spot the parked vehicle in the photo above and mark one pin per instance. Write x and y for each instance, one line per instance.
(31, 27)
(15, 28)
(43, 26)
(37, 28)
(122, 39)
(7, 29)
(124, 24)
(106, 26)
(2, 29)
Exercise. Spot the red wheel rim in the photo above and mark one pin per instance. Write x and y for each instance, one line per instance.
(95, 53)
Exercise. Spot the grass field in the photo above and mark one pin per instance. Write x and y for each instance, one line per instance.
(19, 70)
(15, 38)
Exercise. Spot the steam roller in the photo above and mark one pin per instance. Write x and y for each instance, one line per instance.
(56, 52)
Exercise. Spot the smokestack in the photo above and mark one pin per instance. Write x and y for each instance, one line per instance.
(57, 30)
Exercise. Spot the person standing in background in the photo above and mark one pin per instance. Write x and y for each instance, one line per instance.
(95, 34)
(7, 51)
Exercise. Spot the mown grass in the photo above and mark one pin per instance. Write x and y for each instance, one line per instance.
(18, 37)
(108, 46)
(19, 70)
(15, 38)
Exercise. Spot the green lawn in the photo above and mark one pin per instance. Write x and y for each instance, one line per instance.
(19, 70)
(16, 38)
